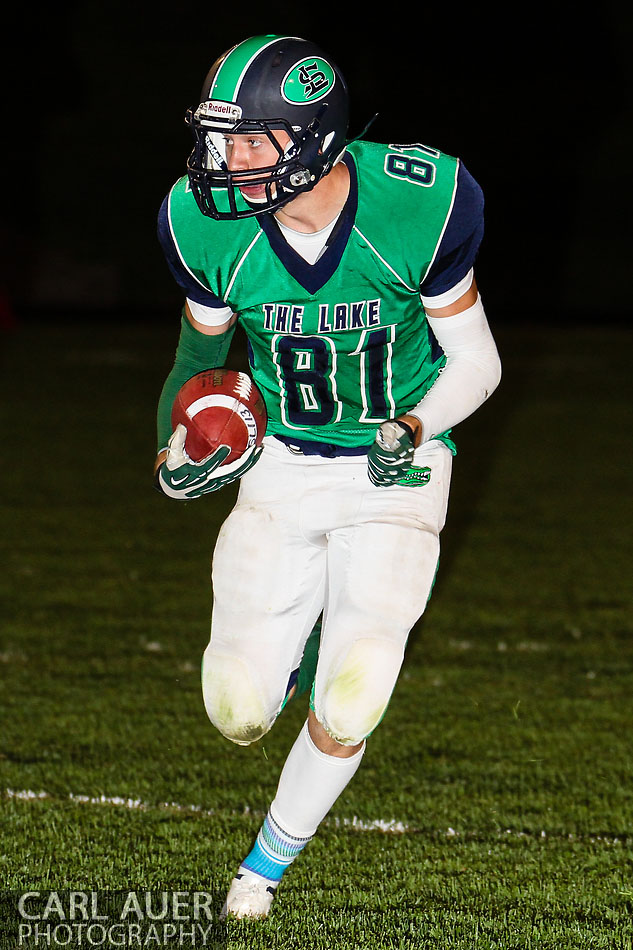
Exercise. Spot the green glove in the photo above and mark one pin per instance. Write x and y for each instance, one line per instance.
(180, 477)
(391, 455)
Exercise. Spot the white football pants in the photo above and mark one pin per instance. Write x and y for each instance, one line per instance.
(309, 534)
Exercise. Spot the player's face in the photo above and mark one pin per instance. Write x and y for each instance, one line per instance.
(251, 151)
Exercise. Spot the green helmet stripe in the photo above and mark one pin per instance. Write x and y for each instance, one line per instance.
(229, 76)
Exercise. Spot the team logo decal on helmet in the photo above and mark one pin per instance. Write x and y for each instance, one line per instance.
(280, 87)
(308, 81)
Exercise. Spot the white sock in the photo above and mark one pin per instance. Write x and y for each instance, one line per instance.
(309, 784)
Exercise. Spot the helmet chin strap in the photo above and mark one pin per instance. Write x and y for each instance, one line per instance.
(297, 179)
(309, 150)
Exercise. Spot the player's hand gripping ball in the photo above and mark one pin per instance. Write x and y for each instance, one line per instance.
(219, 420)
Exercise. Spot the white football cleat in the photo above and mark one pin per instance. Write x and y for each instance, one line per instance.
(249, 896)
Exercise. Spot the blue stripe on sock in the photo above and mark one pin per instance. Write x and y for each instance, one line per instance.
(274, 850)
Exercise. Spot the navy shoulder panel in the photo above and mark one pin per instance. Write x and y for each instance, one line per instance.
(188, 284)
(462, 237)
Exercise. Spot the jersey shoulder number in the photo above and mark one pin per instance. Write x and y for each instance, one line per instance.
(411, 163)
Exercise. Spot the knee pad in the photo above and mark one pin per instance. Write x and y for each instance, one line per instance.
(233, 700)
(358, 691)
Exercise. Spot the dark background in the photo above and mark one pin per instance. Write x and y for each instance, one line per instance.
(536, 102)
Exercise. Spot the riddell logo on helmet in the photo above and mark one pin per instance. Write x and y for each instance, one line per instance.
(219, 110)
(308, 81)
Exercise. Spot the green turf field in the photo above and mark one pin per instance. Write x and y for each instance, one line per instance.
(494, 807)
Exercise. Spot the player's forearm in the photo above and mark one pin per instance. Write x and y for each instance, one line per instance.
(472, 371)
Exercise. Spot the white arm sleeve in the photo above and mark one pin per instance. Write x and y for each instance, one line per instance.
(471, 373)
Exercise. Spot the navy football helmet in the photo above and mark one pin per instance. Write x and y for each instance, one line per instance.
(262, 85)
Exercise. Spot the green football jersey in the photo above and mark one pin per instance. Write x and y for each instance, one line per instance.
(338, 346)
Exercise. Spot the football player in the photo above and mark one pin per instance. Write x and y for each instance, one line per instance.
(350, 267)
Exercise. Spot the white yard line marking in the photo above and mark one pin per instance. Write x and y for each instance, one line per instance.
(391, 826)
(387, 826)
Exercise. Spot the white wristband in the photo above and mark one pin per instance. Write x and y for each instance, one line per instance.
(471, 373)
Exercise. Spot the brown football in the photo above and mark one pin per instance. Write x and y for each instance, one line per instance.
(220, 407)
